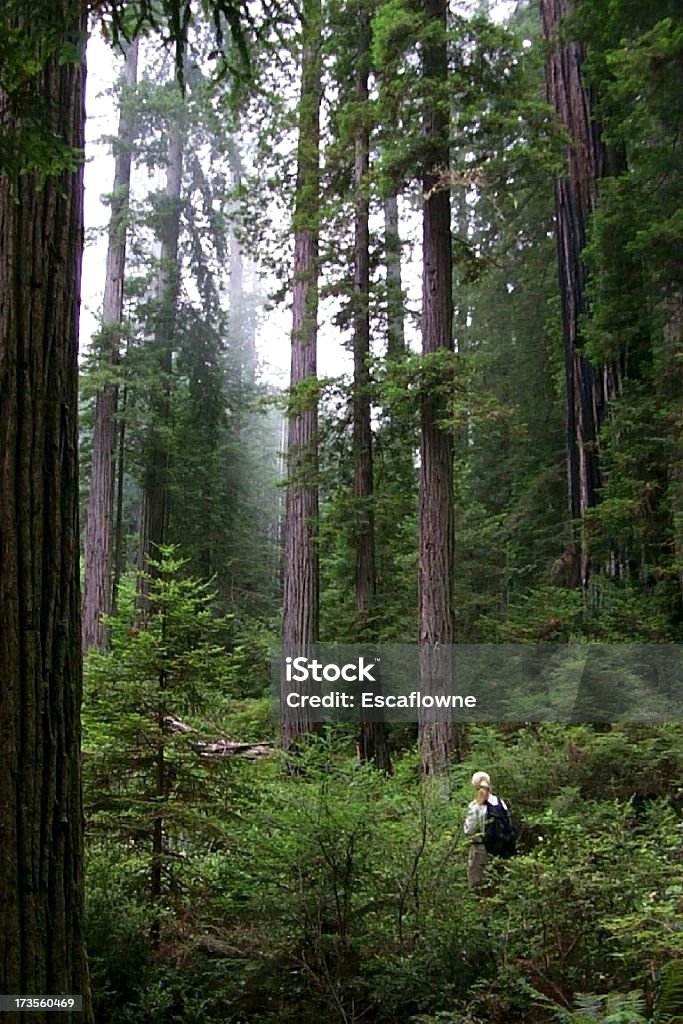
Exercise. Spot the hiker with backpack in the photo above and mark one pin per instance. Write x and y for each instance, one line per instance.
(488, 825)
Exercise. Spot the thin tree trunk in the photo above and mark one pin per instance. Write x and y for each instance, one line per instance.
(396, 342)
(436, 619)
(397, 466)
(155, 496)
(118, 526)
(241, 323)
(373, 744)
(99, 524)
(41, 240)
(242, 337)
(462, 313)
(589, 388)
(462, 310)
(301, 579)
(364, 531)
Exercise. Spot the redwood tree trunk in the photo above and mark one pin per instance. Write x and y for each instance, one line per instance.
(589, 388)
(155, 496)
(301, 578)
(436, 620)
(99, 524)
(119, 553)
(41, 822)
(373, 735)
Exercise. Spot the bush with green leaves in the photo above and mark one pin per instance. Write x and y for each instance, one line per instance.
(337, 893)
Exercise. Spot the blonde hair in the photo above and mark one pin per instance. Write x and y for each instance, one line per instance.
(481, 777)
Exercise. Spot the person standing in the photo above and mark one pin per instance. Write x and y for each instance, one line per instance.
(475, 827)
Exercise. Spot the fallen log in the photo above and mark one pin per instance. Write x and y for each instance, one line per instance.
(221, 747)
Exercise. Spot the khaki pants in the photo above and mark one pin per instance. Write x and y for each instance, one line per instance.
(477, 859)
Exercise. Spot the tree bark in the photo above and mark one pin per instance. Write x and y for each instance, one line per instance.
(99, 524)
(436, 619)
(155, 495)
(373, 744)
(41, 824)
(301, 577)
(364, 531)
(589, 388)
(119, 554)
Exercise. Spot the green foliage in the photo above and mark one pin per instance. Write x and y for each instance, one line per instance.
(635, 282)
(341, 891)
(117, 933)
(188, 370)
(143, 734)
(172, 20)
(32, 132)
(336, 893)
(396, 27)
(670, 995)
(615, 1008)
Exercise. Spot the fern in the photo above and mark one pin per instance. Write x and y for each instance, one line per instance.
(615, 1008)
(670, 998)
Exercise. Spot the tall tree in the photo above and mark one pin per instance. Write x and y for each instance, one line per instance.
(436, 619)
(635, 292)
(41, 235)
(373, 739)
(301, 576)
(396, 476)
(155, 497)
(97, 600)
(42, 117)
(589, 387)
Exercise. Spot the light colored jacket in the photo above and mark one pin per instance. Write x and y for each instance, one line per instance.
(475, 819)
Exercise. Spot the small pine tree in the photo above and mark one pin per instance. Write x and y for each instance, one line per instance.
(151, 785)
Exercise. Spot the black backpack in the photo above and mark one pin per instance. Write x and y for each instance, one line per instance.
(500, 838)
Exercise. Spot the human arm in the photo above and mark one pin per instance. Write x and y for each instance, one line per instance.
(475, 818)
